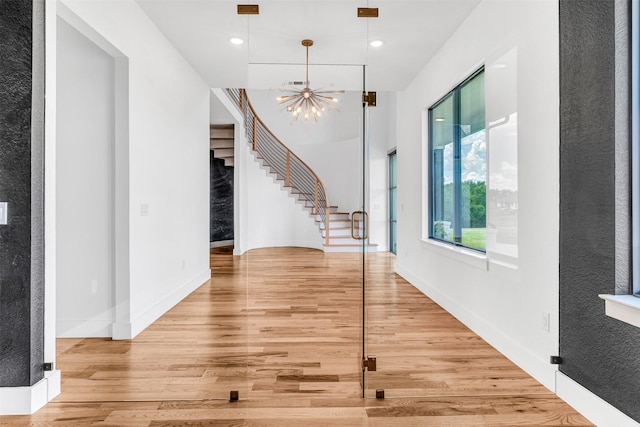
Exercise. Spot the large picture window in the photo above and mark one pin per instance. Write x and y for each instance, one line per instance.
(457, 165)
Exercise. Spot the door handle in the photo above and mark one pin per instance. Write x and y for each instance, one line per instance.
(365, 225)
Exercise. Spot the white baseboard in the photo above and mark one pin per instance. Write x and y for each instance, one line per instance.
(538, 368)
(594, 408)
(128, 330)
(27, 400)
(221, 243)
(81, 328)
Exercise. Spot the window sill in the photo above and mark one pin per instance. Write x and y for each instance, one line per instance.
(463, 255)
(625, 308)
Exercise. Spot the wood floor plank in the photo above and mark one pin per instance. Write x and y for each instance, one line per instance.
(283, 327)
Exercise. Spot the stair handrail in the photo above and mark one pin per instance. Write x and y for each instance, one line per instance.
(284, 162)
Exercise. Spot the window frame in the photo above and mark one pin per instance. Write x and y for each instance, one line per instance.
(457, 189)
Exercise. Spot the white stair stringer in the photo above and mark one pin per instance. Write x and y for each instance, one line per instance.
(340, 239)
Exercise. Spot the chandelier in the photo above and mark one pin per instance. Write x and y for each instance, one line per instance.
(307, 102)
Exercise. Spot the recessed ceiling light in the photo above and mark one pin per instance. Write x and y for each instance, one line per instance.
(376, 43)
(236, 40)
(439, 119)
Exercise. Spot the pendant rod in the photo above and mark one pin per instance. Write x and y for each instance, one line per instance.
(307, 73)
(306, 43)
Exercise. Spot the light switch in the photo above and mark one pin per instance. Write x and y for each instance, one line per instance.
(3, 213)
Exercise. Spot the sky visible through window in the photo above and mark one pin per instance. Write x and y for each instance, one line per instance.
(474, 158)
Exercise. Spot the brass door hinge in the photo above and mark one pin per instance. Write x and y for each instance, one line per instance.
(248, 9)
(369, 98)
(369, 363)
(367, 12)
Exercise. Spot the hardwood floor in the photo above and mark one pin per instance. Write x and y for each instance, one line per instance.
(283, 327)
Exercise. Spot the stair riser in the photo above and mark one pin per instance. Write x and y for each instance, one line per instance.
(337, 232)
(221, 143)
(335, 217)
(221, 133)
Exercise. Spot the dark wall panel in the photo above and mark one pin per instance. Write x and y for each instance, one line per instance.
(21, 148)
(598, 352)
(221, 217)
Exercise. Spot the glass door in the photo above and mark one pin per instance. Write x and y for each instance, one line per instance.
(299, 244)
(302, 266)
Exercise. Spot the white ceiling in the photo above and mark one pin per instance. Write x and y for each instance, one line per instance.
(412, 31)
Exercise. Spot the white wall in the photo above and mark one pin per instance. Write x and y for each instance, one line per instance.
(85, 180)
(381, 141)
(166, 163)
(273, 216)
(504, 299)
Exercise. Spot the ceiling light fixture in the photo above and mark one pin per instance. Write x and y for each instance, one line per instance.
(307, 102)
(376, 43)
(236, 40)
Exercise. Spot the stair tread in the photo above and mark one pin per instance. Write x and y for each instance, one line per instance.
(220, 144)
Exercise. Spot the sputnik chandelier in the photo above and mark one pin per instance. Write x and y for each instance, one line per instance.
(307, 102)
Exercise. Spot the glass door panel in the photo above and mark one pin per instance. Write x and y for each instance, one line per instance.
(298, 243)
(303, 276)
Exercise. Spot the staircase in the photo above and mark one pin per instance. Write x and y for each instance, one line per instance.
(221, 143)
(301, 182)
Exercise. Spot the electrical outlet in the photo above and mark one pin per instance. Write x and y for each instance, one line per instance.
(94, 286)
(545, 320)
(184, 264)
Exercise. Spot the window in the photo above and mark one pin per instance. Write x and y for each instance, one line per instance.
(457, 165)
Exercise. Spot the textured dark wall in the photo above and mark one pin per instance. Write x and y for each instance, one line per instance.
(21, 294)
(600, 353)
(221, 217)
